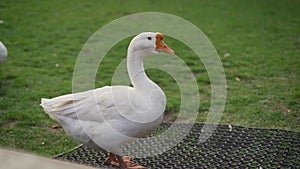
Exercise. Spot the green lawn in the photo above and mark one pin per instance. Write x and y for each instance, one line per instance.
(258, 43)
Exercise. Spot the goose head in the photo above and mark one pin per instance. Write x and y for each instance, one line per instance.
(148, 43)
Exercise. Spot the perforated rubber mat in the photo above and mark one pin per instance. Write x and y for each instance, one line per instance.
(228, 147)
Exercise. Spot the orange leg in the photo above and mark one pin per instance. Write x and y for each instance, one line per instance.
(122, 162)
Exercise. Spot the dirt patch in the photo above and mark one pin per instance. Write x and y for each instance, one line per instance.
(170, 117)
(282, 107)
(9, 123)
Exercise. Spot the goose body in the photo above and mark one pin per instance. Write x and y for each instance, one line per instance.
(108, 117)
(3, 52)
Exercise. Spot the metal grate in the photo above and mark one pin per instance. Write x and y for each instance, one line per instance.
(228, 147)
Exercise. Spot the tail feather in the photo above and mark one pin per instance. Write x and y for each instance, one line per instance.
(47, 108)
(64, 105)
(77, 105)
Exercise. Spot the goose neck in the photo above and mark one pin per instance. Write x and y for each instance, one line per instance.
(137, 75)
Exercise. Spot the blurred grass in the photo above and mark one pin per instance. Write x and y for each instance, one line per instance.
(258, 43)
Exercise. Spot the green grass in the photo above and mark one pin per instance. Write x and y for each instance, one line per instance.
(44, 38)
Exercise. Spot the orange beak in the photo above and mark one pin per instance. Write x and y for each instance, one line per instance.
(161, 46)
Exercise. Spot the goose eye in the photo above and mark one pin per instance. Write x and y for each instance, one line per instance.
(149, 38)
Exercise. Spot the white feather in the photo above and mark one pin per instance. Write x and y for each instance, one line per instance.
(3, 52)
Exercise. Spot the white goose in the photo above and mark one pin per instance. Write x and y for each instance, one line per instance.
(108, 117)
(3, 52)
